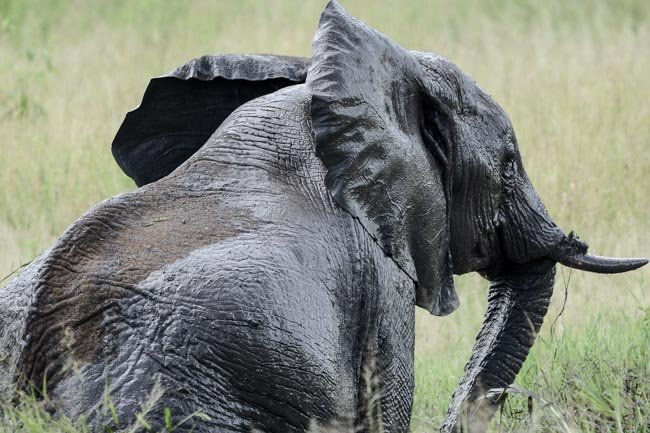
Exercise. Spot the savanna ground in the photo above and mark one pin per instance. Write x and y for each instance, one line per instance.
(574, 77)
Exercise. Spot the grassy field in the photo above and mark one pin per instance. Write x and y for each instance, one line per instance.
(574, 77)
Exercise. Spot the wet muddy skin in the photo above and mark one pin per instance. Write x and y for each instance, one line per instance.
(291, 215)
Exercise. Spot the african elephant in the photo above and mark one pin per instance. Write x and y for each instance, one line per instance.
(291, 214)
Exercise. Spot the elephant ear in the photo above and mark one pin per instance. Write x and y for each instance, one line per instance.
(367, 112)
(181, 110)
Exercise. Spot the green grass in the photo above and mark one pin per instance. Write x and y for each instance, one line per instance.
(574, 77)
(596, 379)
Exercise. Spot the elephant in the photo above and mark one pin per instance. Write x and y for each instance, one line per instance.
(291, 214)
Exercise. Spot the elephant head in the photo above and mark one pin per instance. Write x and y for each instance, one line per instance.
(430, 165)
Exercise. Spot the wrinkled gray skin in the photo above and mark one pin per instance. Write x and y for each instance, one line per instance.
(262, 276)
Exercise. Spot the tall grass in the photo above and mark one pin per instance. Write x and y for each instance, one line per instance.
(574, 77)
(592, 380)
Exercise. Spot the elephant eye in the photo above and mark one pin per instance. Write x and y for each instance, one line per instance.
(509, 167)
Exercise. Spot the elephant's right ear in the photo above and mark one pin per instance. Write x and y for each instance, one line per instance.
(367, 112)
(181, 110)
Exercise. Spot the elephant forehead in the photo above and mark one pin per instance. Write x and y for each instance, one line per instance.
(448, 82)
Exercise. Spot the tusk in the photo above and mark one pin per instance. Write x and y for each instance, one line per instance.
(601, 265)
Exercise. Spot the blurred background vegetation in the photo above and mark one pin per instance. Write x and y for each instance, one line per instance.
(573, 75)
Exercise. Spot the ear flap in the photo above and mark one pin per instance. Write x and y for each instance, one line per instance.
(367, 115)
(181, 110)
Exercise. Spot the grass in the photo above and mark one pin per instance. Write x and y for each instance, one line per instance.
(574, 77)
(593, 379)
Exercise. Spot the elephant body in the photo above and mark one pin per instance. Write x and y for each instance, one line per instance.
(265, 278)
(235, 287)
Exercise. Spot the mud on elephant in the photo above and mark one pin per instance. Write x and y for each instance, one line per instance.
(291, 214)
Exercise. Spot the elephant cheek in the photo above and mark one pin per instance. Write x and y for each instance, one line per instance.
(527, 232)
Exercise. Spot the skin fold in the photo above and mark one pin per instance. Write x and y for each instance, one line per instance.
(291, 214)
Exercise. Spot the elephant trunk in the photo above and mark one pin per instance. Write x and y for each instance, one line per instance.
(518, 302)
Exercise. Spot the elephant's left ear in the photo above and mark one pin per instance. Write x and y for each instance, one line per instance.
(181, 110)
(367, 115)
